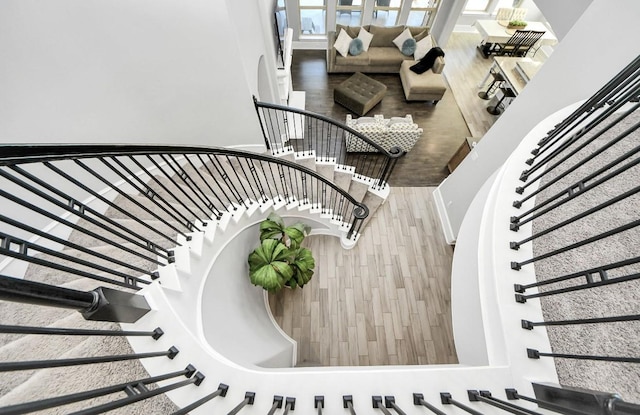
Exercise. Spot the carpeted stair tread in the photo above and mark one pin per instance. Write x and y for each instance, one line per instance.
(232, 180)
(41, 347)
(131, 209)
(61, 381)
(175, 196)
(218, 193)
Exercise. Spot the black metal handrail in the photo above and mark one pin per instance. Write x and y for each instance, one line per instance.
(307, 133)
(179, 189)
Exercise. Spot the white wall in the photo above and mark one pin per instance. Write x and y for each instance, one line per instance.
(110, 71)
(595, 50)
(562, 15)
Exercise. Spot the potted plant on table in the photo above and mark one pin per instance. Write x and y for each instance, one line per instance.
(280, 261)
(517, 24)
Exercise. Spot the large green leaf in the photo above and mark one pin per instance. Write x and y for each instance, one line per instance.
(268, 266)
(272, 227)
(296, 234)
(303, 265)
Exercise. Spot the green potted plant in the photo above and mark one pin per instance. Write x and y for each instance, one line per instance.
(280, 261)
(517, 24)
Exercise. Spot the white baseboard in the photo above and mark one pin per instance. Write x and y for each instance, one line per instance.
(444, 217)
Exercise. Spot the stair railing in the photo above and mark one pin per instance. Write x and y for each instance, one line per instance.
(307, 133)
(579, 197)
(174, 190)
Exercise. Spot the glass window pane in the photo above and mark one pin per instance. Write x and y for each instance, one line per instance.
(385, 17)
(349, 17)
(417, 4)
(476, 5)
(315, 3)
(312, 21)
(416, 18)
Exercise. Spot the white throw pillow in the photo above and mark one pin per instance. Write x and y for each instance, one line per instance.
(399, 41)
(365, 37)
(342, 43)
(422, 47)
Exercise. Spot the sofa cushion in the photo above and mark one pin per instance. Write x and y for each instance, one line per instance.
(360, 60)
(408, 47)
(366, 38)
(342, 43)
(399, 40)
(422, 47)
(352, 31)
(418, 32)
(383, 36)
(355, 47)
(385, 56)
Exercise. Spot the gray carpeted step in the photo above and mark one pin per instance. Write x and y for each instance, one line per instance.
(61, 381)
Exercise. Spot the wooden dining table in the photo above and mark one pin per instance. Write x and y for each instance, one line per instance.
(495, 31)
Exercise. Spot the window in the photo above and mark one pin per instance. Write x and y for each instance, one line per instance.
(385, 12)
(349, 12)
(313, 15)
(422, 12)
(477, 6)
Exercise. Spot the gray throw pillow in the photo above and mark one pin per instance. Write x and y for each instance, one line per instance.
(408, 47)
(356, 47)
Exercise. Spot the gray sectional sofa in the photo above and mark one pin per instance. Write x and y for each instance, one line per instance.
(382, 57)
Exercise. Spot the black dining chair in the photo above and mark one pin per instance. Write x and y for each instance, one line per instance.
(519, 43)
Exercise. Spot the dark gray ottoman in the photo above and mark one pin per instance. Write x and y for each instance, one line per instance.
(359, 93)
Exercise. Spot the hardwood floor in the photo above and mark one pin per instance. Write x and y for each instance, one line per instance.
(443, 124)
(386, 302)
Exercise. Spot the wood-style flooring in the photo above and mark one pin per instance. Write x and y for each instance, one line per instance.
(385, 302)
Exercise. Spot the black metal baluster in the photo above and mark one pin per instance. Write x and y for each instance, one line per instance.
(535, 354)
(602, 271)
(529, 325)
(447, 399)
(72, 245)
(7, 242)
(277, 404)
(587, 158)
(418, 400)
(585, 213)
(176, 185)
(221, 391)
(390, 402)
(84, 209)
(318, 403)
(146, 191)
(139, 395)
(156, 334)
(376, 402)
(206, 166)
(347, 402)
(33, 406)
(41, 364)
(517, 265)
(249, 398)
(82, 215)
(188, 181)
(512, 394)
(176, 200)
(244, 179)
(601, 117)
(485, 396)
(290, 405)
(577, 189)
(224, 175)
(217, 211)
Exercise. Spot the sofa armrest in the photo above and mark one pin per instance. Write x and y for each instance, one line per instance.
(438, 65)
(331, 51)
